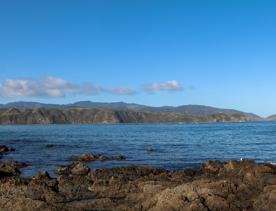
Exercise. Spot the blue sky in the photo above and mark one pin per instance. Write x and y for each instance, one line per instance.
(219, 53)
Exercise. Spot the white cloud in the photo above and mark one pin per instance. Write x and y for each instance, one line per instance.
(54, 87)
(172, 85)
(49, 87)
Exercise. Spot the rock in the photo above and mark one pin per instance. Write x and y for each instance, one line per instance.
(236, 185)
(80, 169)
(92, 157)
(269, 179)
(104, 158)
(150, 149)
(50, 145)
(212, 167)
(12, 167)
(64, 170)
(42, 176)
(85, 157)
(120, 157)
(231, 165)
(3, 149)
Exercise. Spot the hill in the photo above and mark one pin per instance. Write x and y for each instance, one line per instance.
(108, 116)
(190, 110)
(271, 118)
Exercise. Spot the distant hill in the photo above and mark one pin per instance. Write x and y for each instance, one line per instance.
(190, 110)
(271, 118)
(108, 116)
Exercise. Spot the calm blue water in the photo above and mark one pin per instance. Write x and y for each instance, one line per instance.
(176, 146)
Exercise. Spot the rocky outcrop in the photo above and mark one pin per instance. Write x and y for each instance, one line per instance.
(233, 185)
(99, 116)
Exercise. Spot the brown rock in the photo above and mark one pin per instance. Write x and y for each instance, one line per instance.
(235, 186)
(80, 169)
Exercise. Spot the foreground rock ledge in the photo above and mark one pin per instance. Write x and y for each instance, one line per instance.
(236, 185)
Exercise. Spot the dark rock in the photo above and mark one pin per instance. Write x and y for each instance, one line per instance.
(3, 149)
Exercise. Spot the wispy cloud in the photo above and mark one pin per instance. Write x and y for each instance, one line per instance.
(121, 91)
(56, 87)
(170, 86)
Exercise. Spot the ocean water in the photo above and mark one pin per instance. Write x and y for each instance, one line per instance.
(176, 146)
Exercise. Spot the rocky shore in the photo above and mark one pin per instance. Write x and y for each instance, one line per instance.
(233, 185)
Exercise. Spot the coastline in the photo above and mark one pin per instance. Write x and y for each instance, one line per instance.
(218, 185)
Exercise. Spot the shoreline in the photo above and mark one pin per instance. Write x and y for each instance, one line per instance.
(218, 185)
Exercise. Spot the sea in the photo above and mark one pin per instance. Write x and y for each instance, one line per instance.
(173, 146)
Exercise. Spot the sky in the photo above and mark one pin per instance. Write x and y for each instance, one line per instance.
(156, 52)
